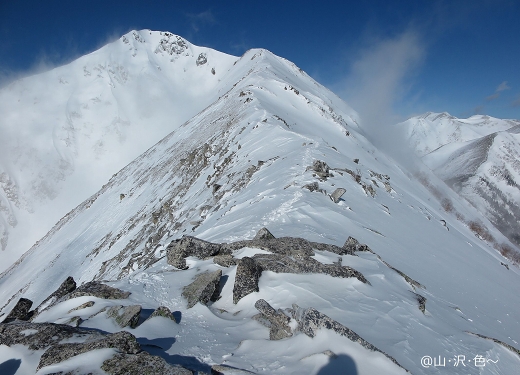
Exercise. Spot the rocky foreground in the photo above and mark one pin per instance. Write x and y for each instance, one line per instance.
(53, 330)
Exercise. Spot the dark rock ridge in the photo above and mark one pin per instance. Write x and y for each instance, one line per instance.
(421, 300)
(96, 289)
(276, 321)
(20, 311)
(303, 264)
(51, 338)
(66, 287)
(125, 316)
(186, 246)
(246, 279)
(122, 341)
(164, 312)
(290, 255)
(141, 364)
(205, 288)
(45, 334)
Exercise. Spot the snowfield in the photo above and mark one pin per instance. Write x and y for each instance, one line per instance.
(246, 159)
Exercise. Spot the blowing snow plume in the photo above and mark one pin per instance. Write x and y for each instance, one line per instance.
(378, 81)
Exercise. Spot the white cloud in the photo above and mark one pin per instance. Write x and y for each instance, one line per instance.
(503, 86)
(379, 78)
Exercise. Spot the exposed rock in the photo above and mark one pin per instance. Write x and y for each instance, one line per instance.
(125, 316)
(123, 341)
(205, 288)
(202, 59)
(321, 168)
(164, 312)
(311, 320)
(276, 321)
(263, 234)
(66, 287)
(225, 260)
(83, 306)
(141, 364)
(75, 321)
(186, 246)
(421, 300)
(336, 195)
(311, 187)
(216, 187)
(40, 335)
(246, 279)
(352, 245)
(96, 289)
(293, 264)
(20, 311)
(228, 370)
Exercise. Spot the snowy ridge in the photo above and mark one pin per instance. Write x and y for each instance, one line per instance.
(241, 164)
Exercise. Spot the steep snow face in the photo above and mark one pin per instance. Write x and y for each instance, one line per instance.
(242, 164)
(66, 132)
(480, 161)
(430, 131)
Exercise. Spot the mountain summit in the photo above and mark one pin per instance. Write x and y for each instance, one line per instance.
(281, 239)
(67, 131)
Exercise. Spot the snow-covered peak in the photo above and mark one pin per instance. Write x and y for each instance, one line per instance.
(432, 130)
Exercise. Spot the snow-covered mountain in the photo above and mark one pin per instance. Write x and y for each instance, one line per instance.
(65, 132)
(479, 158)
(279, 151)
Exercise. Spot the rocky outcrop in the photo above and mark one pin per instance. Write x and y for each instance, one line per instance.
(228, 370)
(123, 341)
(125, 316)
(187, 246)
(96, 289)
(226, 260)
(205, 288)
(351, 245)
(141, 364)
(421, 300)
(321, 169)
(246, 278)
(164, 312)
(82, 306)
(276, 321)
(20, 311)
(303, 264)
(66, 287)
(336, 194)
(263, 234)
(311, 320)
(38, 336)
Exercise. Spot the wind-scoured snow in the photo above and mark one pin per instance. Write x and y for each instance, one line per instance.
(240, 165)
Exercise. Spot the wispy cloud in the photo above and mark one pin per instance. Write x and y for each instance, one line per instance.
(200, 19)
(502, 87)
(378, 81)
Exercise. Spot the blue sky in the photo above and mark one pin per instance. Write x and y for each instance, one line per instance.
(395, 58)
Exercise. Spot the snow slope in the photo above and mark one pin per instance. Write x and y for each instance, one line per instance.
(65, 132)
(240, 165)
(479, 160)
